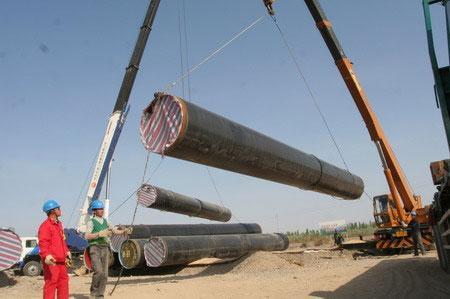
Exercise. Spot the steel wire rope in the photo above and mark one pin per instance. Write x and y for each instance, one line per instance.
(308, 87)
(181, 47)
(132, 222)
(190, 70)
(213, 54)
(83, 186)
(187, 50)
(219, 196)
(136, 190)
(182, 77)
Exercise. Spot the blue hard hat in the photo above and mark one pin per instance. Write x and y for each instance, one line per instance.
(50, 205)
(96, 204)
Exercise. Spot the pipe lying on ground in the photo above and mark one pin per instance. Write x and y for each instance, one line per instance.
(131, 253)
(10, 249)
(143, 231)
(158, 198)
(173, 127)
(174, 250)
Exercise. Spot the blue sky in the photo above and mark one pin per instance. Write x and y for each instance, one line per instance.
(62, 62)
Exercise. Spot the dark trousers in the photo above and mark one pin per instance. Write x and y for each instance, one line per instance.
(418, 244)
(99, 257)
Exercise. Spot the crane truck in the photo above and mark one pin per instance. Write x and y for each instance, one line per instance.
(440, 170)
(392, 211)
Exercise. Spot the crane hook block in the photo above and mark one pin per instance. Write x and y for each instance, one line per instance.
(268, 5)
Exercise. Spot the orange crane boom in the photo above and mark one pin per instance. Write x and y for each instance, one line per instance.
(403, 198)
(392, 212)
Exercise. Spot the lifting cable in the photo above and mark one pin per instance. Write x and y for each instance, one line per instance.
(132, 222)
(213, 182)
(212, 54)
(187, 51)
(137, 189)
(316, 104)
(180, 40)
(83, 187)
(308, 87)
(186, 74)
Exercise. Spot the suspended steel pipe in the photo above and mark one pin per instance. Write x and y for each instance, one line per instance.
(158, 198)
(143, 231)
(175, 250)
(173, 127)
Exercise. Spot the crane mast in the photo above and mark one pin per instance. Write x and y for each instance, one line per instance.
(118, 116)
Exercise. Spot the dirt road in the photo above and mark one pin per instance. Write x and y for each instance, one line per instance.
(267, 275)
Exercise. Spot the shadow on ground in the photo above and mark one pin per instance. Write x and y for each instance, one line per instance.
(396, 278)
(79, 296)
(198, 271)
(6, 280)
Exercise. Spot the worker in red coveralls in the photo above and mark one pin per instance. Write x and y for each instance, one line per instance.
(54, 253)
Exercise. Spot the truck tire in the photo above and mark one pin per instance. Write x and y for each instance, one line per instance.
(32, 268)
(442, 254)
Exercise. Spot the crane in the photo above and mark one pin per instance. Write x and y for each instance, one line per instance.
(440, 207)
(117, 118)
(391, 211)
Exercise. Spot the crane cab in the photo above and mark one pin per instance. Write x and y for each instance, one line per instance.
(384, 211)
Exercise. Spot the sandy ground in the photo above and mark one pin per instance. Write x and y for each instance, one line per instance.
(321, 274)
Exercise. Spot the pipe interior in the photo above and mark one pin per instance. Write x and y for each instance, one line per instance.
(161, 123)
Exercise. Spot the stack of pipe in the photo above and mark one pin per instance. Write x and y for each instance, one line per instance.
(143, 231)
(10, 248)
(164, 245)
(173, 127)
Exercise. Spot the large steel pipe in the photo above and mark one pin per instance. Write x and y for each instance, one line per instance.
(173, 127)
(161, 199)
(143, 231)
(131, 253)
(166, 251)
(10, 249)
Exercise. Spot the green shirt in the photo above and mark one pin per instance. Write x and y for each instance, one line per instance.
(97, 227)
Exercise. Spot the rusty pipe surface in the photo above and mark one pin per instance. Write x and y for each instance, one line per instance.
(144, 231)
(180, 250)
(173, 127)
(161, 199)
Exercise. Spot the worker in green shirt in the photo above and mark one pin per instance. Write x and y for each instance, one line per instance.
(98, 232)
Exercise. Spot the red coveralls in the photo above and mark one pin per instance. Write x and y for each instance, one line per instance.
(52, 241)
